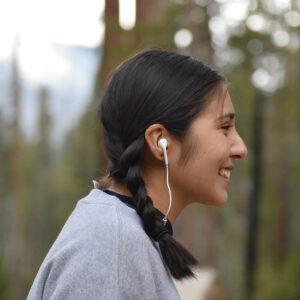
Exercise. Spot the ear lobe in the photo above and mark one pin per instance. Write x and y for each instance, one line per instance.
(152, 135)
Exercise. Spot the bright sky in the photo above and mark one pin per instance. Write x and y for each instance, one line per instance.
(71, 22)
(39, 23)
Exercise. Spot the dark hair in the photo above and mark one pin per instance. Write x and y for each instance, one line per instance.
(154, 86)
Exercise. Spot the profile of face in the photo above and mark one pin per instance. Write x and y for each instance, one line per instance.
(207, 153)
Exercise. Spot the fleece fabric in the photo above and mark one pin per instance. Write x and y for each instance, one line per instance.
(103, 252)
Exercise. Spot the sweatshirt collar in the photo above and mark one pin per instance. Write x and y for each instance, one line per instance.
(128, 201)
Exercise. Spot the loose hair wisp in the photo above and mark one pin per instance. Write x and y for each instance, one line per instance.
(152, 87)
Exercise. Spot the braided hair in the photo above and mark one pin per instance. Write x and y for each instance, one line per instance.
(154, 86)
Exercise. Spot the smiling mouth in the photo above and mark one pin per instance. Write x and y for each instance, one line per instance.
(225, 173)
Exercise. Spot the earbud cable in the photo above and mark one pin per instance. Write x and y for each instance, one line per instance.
(165, 219)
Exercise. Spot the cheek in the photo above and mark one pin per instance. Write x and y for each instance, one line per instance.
(203, 154)
(212, 152)
(204, 164)
(198, 180)
(219, 150)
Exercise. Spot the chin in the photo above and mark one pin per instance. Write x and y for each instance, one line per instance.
(217, 202)
(214, 200)
(220, 201)
(220, 204)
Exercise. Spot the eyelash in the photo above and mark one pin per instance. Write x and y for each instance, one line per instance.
(226, 127)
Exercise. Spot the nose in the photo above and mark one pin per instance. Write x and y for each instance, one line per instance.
(238, 148)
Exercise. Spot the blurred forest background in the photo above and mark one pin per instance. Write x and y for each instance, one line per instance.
(50, 137)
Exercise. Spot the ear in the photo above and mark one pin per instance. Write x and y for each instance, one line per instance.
(152, 135)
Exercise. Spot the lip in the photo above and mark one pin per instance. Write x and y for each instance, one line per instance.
(230, 168)
(225, 179)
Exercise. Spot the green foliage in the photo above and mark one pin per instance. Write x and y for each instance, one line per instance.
(279, 282)
(4, 281)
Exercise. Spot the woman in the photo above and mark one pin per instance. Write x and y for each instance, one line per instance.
(170, 139)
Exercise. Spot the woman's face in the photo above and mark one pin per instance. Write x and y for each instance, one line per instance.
(208, 152)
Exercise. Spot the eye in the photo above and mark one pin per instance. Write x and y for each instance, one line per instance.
(226, 127)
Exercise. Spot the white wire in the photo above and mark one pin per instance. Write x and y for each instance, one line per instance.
(170, 196)
(96, 184)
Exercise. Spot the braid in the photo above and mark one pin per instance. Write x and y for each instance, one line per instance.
(129, 164)
(176, 257)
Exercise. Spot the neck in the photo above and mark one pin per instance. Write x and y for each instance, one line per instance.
(119, 188)
(155, 182)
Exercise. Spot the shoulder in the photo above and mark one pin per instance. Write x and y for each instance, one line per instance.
(83, 261)
(101, 251)
(105, 214)
(98, 222)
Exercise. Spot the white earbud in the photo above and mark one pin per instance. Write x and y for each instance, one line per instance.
(163, 143)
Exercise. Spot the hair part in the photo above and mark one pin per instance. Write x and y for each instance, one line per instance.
(154, 86)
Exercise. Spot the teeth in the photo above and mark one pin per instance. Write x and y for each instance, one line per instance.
(225, 173)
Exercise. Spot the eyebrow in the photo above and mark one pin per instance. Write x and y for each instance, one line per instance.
(228, 115)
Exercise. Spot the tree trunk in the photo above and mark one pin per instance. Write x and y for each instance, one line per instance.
(252, 229)
(111, 43)
(283, 207)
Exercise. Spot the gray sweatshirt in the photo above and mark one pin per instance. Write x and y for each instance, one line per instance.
(103, 252)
